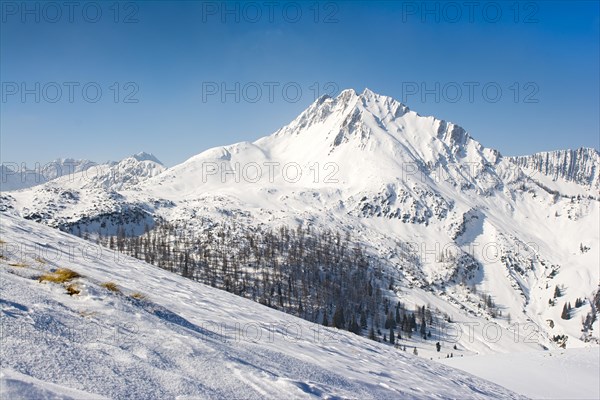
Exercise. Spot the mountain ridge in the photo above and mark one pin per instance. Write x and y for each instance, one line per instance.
(581, 165)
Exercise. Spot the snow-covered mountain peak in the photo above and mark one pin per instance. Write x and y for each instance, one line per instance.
(346, 96)
(368, 93)
(127, 173)
(143, 156)
(352, 144)
(378, 102)
(383, 125)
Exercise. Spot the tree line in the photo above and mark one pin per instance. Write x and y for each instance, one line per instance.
(319, 275)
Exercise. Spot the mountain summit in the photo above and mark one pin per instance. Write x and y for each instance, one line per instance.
(366, 140)
(143, 156)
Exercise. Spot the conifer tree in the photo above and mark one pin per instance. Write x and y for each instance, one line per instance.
(372, 334)
(363, 319)
(338, 318)
(354, 327)
(557, 292)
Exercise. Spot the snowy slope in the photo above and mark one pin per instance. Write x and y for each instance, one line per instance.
(366, 165)
(567, 374)
(17, 386)
(182, 339)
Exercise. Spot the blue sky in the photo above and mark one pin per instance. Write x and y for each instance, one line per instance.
(543, 56)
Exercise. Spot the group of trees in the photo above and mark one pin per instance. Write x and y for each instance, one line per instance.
(566, 311)
(322, 276)
(401, 321)
(487, 303)
(590, 318)
(557, 293)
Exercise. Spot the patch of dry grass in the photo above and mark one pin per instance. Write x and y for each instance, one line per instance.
(19, 265)
(61, 275)
(111, 286)
(72, 289)
(139, 296)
